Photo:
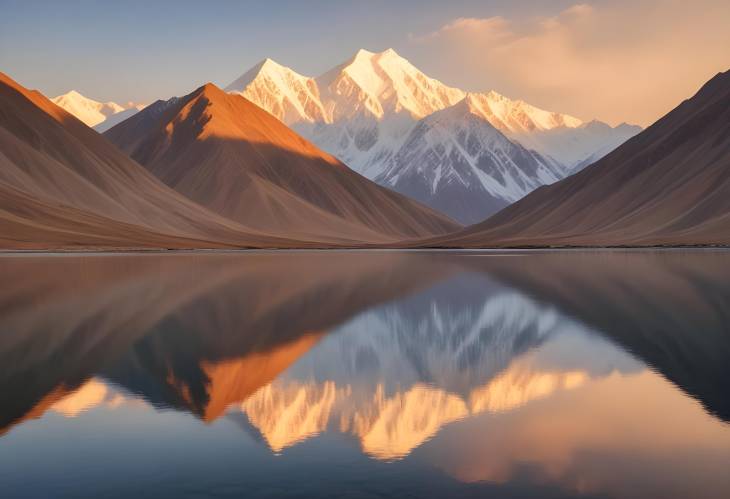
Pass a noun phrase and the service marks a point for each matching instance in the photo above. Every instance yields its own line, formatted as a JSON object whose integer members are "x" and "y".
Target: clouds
{"x": 623, "y": 61}
{"x": 468, "y": 27}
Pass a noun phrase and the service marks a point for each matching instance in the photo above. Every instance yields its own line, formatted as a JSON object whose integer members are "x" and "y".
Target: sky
{"x": 613, "y": 60}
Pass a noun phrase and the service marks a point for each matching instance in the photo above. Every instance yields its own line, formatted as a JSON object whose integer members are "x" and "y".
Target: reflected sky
{"x": 563, "y": 374}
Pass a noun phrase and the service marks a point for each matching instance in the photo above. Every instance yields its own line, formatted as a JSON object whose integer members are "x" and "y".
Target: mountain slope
{"x": 668, "y": 185}
{"x": 30, "y": 223}
{"x": 116, "y": 118}
{"x": 62, "y": 184}
{"x": 99, "y": 115}
{"x": 457, "y": 162}
{"x": 229, "y": 155}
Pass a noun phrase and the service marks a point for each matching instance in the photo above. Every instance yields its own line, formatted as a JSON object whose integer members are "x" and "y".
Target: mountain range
{"x": 376, "y": 113}
{"x": 213, "y": 170}
{"x": 64, "y": 185}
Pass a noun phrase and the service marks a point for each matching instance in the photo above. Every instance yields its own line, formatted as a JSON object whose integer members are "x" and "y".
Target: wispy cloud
{"x": 496, "y": 26}
{"x": 624, "y": 61}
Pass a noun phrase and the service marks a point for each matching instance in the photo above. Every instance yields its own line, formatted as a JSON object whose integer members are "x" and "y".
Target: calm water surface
{"x": 366, "y": 374}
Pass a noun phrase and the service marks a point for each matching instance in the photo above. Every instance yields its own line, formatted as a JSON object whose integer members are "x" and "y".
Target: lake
{"x": 363, "y": 374}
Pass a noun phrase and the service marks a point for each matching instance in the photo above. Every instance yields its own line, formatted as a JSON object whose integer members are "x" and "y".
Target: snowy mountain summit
{"x": 369, "y": 85}
{"x": 99, "y": 115}
{"x": 466, "y": 154}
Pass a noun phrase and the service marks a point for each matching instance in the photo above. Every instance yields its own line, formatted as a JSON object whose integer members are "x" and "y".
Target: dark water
{"x": 354, "y": 374}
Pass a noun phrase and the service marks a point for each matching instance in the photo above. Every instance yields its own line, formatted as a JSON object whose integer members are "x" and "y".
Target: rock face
{"x": 367, "y": 110}
{"x": 227, "y": 154}
{"x": 669, "y": 185}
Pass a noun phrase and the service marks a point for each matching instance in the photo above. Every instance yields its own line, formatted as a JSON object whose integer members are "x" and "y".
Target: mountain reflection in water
{"x": 533, "y": 374}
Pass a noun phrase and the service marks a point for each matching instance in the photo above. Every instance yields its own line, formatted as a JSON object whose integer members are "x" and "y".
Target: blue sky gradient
{"x": 143, "y": 50}
{"x": 615, "y": 60}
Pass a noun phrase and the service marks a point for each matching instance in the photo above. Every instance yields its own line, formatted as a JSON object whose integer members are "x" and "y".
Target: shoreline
{"x": 531, "y": 249}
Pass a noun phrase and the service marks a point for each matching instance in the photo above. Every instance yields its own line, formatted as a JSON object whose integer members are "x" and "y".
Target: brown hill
{"x": 229, "y": 155}
{"x": 27, "y": 222}
{"x": 64, "y": 185}
{"x": 669, "y": 185}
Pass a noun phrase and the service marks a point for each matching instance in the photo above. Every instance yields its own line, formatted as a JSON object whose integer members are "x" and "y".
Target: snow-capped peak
{"x": 363, "y": 53}
{"x": 516, "y": 116}
{"x": 291, "y": 97}
{"x": 377, "y": 85}
{"x": 71, "y": 95}
{"x": 268, "y": 68}
{"x": 88, "y": 110}
{"x": 371, "y": 84}
{"x": 381, "y": 84}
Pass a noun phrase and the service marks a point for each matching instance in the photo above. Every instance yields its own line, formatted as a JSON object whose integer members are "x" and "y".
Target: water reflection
{"x": 395, "y": 375}
{"x": 545, "y": 374}
{"x": 194, "y": 332}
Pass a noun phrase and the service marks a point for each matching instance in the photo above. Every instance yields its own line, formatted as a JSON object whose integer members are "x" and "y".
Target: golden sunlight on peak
{"x": 516, "y": 388}
{"x": 390, "y": 426}
{"x": 290, "y": 414}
